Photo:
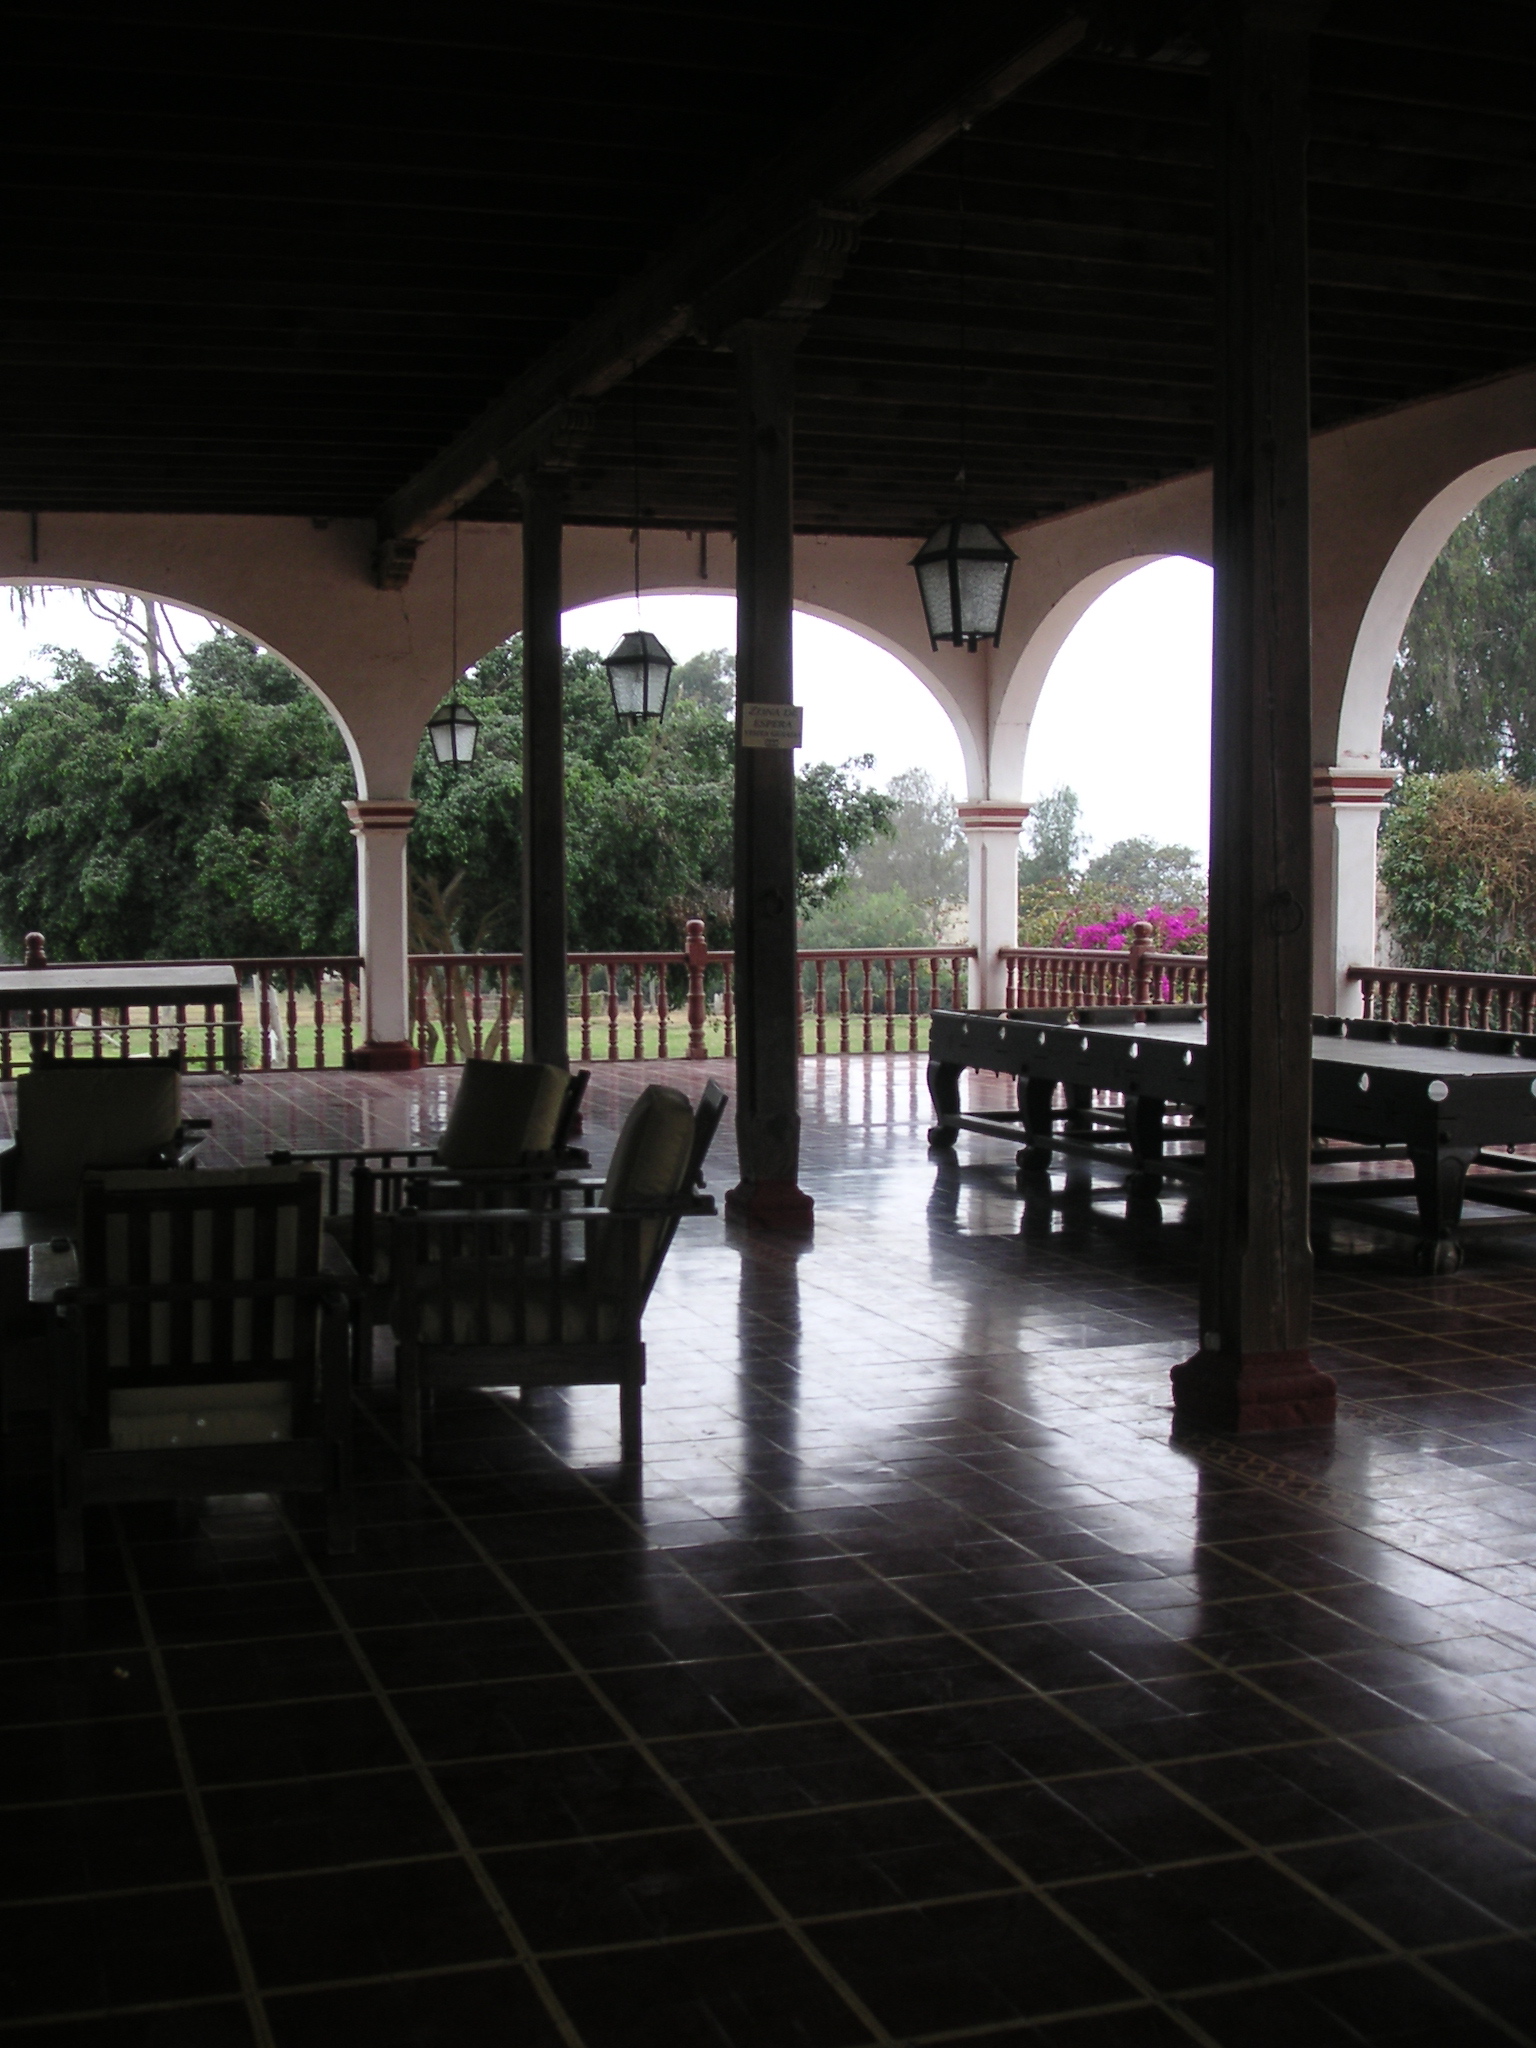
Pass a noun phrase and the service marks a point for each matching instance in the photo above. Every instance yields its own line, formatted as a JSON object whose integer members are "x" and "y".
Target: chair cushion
{"x": 72, "y": 1117}
{"x": 649, "y": 1166}
{"x": 490, "y": 1319}
{"x": 173, "y": 1418}
{"x": 503, "y": 1109}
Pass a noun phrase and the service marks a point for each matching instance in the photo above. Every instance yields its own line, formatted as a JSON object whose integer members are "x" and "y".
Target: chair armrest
{"x": 197, "y": 1123}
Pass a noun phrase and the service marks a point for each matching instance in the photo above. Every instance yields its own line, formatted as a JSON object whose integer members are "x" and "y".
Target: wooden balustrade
{"x": 302, "y": 1012}
{"x": 1449, "y": 997}
{"x": 1073, "y": 977}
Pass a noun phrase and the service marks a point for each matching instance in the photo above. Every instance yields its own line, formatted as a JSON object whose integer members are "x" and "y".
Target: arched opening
{"x": 173, "y": 790}
{"x": 1381, "y": 629}
{"x": 1109, "y": 709}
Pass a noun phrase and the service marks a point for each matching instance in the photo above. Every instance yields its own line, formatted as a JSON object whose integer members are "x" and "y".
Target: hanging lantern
{"x": 454, "y": 733}
{"x": 962, "y": 575}
{"x": 639, "y": 673}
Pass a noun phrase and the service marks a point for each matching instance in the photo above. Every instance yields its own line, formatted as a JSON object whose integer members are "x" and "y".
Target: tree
{"x": 1458, "y": 860}
{"x": 1139, "y": 872}
{"x": 1463, "y": 691}
{"x": 1056, "y": 842}
{"x": 708, "y": 679}
{"x": 174, "y": 813}
{"x": 198, "y": 810}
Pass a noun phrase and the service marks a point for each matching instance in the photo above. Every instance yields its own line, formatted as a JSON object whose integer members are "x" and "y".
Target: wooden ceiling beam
{"x": 838, "y": 175}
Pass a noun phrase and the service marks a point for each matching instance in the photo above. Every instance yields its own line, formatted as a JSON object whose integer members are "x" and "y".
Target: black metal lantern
{"x": 962, "y": 575}
{"x": 453, "y": 732}
{"x": 639, "y": 674}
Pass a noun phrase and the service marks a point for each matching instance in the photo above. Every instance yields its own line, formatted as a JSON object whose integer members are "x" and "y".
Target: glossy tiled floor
{"x": 921, "y": 1691}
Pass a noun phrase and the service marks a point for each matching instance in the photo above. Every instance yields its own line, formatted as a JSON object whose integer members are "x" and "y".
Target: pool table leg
{"x": 1439, "y": 1182}
{"x": 1035, "y": 1099}
{"x": 944, "y": 1094}
{"x": 1144, "y": 1124}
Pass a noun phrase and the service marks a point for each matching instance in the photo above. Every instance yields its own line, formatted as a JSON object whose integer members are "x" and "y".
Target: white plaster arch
{"x": 1026, "y": 680}
{"x": 1374, "y": 655}
{"x": 230, "y": 625}
{"x": 971, "y": 739}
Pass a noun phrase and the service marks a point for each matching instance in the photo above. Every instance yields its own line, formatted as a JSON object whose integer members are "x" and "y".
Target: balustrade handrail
{"x": 1460, "y": 998}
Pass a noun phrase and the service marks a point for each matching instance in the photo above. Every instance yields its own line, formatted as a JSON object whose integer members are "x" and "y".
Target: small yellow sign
{"x": 769, "y": 725}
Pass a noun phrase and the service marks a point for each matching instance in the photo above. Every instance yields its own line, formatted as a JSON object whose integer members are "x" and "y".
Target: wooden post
{"x": 544, "y": 962}
{"x": 767, "y": 963}
{"x": 696, "y": 952}
{"x": 1253, "y": 1369}
{"x": 1143, "y": 945}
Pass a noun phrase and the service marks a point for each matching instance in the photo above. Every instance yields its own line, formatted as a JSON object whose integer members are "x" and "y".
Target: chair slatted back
{"x": 191, "y": 1278}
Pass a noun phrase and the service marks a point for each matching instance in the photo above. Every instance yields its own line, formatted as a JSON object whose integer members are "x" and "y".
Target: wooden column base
{"x": 384, "y": 1056}
{"x": 777, "y": 1204}
{"x": 1263, "y": 1390}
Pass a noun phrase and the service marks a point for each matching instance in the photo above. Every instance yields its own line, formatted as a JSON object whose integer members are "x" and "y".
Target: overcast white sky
{"x": 1124, "y": 718}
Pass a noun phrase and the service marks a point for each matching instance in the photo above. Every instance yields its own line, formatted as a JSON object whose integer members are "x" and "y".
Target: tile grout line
{"x": 515, "y": 1937}
{"x": 630, "y": 1735}
{"x": 1090, "y": 1939}
{"x": 1266, "y": 1855}
{"x": 234, "y": 1933}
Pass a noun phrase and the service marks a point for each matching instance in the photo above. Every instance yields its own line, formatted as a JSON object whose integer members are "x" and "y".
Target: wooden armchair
{"x": 510, "y": 1125}
{"x": 75, "y": 1115}
{"x": 548, "y": 1295}
{"x": 201, "y": 1346}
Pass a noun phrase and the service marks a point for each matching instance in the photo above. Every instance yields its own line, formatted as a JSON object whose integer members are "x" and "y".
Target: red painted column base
{"x": 1261, "y": 1390}
{"x": 777, "y": 1204}
{"x": 384, "y": 1056}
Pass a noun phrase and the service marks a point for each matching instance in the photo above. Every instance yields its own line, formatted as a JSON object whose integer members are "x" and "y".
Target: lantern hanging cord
{"x": 453, "y": 628}
{"x": 634, "y": 450}
{"x": 965, "y": 407}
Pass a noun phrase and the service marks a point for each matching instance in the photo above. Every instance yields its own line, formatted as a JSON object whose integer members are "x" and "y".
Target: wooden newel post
{"x": 36, "y": 955}
{"x": 696, "y": 952}
{"x": 1253, "y": 1369}
{"x": 1143, "y": 945}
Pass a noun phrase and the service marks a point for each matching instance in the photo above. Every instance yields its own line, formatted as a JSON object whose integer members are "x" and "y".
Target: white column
{"x": 992, "y": 835}
{"x": 381, "y": 828}
{"x": 1347, "y": 804}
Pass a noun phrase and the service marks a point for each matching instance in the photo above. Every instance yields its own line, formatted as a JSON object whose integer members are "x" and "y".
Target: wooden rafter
{"x": 755, "y": 248}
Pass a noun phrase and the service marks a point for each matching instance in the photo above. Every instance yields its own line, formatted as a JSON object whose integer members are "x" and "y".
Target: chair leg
{"x": 629, "y": 1421}
{"x": 408, "y": 1380}
{"x": 68, "y": 1516}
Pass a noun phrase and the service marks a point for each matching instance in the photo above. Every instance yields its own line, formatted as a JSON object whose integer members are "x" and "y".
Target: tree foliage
{"x": 1458, "y": 859}
{"x": 1463, "y": 691}
{"x": 181, "y": 814}
{"x": 198, "y": 810}
{"x": 1061, "y": 892}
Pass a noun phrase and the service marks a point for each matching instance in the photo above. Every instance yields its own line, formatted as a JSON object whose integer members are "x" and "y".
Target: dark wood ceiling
{"x": 272, "y": 264}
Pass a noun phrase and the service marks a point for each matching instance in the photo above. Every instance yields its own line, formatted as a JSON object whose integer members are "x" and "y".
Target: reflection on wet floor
{"x": 921, "y": 1688}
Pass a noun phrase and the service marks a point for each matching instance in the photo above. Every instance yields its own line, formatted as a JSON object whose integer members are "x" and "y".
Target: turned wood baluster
{"x": 611, "y": 970}
{"x": 638, "y": 1010}
{"x": 319, "y": 1016}
{"x": 888, "y": 1004}
{"x": 476, "y": 1011}
{"x": 728, "y": 1004}
{"x": 912, "y": 967}
{"x": 821, "y": 1007}
{"x": 662, "y": 1013}
{"x": 423, "y": 1022}
{"x": 346, "y": 1013}
{"x": 867, "y": 1007}
{"x": 843, "y": 1007}
{"x": 584, "y": 1005}
{"x": 449, "y": 1005}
